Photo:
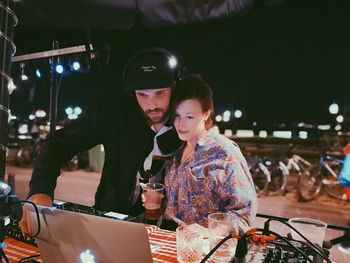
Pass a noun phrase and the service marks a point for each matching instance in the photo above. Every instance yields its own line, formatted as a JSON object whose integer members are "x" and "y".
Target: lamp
{"x": 22, "y": 72}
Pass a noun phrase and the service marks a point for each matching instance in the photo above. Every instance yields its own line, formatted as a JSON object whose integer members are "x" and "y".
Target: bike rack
{"x": 7, "y": 48}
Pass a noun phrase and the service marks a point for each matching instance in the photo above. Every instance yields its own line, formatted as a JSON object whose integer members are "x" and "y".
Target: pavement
{"x": 80, "y": 186}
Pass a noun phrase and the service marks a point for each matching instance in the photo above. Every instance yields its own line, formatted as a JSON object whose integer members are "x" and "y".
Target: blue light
{"x": 76, "y": 65}
{"x": 38, "y": 73}
{"x": 59, "y": 69}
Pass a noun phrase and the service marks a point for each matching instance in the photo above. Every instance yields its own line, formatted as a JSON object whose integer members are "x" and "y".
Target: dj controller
{"x": 278, "y": 251}
{"x": 13, "y": 230}
{"x": 274, "y": 251}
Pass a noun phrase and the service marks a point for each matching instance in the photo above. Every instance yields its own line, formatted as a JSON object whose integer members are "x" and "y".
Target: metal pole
{"x": 8, "y": 21}
{"x": 54, "y": 90}
{"x": 53, "y": 53}
{"x": 11, "y": 182}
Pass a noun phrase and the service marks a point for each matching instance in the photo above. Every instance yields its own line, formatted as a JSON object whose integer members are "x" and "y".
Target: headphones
{"x": 156, "y": 51}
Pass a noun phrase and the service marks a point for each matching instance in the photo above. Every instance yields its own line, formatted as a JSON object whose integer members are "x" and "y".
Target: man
{"x": 133, "y": 130}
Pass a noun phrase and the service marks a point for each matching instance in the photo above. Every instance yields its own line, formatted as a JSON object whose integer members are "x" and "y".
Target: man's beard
{"x": 159, "y": 119}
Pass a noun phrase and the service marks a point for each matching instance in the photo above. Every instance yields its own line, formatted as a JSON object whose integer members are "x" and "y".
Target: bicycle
{"x": 260, "y": 174}
{"x": 26, "y": 155}
{"x": 295, "y": 165}
{"x": 279, "y": 173}
{"x": 322, "y": 176}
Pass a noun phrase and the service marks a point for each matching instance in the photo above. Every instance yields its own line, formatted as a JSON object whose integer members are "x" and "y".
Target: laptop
{"x": 69, "y": 237}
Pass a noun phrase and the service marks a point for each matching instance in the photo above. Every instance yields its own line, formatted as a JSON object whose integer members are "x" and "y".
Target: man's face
{"x": 154, "y": 103}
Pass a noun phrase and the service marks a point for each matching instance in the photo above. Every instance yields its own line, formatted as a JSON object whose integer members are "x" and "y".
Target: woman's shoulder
{"x": 213, "y": 144}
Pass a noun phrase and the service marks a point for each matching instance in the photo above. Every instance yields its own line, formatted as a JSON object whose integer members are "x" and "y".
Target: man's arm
{"x": 59, "y": 148}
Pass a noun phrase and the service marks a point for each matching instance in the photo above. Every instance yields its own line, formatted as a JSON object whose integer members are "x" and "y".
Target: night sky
{"x": 281, "y": 64}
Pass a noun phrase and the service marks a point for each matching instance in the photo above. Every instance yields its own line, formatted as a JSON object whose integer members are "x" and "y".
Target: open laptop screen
{"x": 67, "y": 237}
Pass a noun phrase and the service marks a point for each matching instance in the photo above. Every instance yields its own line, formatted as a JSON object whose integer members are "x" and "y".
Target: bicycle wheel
{"x": 334, "y": 189}
{"x": 72, "y": 165}
{"x": 278, "y": 180}
{"x": 310, "y": 183}
{"x": 261, "y": 181}
{"x": 24, "y": 156}
{"x": 292, "y": 180}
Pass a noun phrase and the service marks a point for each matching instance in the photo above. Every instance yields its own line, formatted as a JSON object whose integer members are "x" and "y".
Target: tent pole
{"x": 8, "y": 20}
{"x": 54, "y": 90}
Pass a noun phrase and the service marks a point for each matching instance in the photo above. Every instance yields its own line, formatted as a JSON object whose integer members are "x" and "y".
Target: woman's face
{"x": 190, "y": 120}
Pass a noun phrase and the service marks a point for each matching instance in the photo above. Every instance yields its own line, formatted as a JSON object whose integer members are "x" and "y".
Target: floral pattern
{"x": 215, "y": 178}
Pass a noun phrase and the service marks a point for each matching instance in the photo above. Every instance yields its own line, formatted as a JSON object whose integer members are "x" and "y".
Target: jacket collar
{"x": 168, "y": 142}
{"x": 206, "y": 138}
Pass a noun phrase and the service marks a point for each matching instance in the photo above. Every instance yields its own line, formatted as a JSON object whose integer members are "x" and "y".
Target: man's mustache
{"x": 154, "y": 111}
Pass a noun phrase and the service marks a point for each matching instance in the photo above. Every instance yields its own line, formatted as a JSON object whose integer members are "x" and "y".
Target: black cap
{"x": 152, "y": 68}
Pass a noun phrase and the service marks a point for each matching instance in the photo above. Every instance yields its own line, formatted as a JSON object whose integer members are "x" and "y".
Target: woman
{"x": 209, "y": 173}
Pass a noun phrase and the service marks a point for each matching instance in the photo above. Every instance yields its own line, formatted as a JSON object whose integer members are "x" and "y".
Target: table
{"x": 163, "y": 243}
{"x": 163, "y": 246}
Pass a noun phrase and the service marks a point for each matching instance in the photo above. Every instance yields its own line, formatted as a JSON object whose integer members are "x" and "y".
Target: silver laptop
{"x": 69, "y": 237}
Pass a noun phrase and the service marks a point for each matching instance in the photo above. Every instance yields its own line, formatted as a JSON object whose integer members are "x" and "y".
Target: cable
{"x": 37, "y": 217}
{"x": 3, "y": 255}
{"x": 306, "y": 239}
{"x": 24, "y": 260}
{"x": 243, "y": 237}
{"x": 291, "y": 245}
{"x": 215, "y": 248}
{"x": 312, "y": 245}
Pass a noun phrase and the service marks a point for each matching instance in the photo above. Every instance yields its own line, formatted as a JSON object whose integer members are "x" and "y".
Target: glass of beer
{"x": 153, "y": 193}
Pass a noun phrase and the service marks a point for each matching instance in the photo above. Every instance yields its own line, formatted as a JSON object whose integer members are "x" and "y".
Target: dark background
{"x": 282, "y": 64}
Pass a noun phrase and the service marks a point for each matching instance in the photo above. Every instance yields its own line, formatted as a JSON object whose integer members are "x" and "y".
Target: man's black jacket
{"x": 121, "y": 127}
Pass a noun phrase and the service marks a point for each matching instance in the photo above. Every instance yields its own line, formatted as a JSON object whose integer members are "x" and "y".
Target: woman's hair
{"x": 193, "y": 87}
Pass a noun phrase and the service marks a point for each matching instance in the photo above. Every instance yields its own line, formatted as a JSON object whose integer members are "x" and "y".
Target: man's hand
{"x": 38, "y": 199}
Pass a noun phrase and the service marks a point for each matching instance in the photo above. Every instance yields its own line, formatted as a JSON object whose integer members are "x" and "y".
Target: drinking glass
{"x": 153, "y": 194}
{"x": 221, "y": 225}
{"x": 312, "y": 229}
{"x": 189, "y": 243}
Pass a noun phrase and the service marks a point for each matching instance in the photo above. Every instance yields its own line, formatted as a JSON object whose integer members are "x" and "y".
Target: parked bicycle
{"x": 27, "y": 154}
{"x": 279, "y": 173}
{"x": 295, "y": 165}
{"x": 260, "y": 174}
{"x": 322, "y": 176}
